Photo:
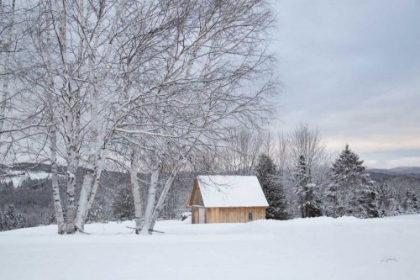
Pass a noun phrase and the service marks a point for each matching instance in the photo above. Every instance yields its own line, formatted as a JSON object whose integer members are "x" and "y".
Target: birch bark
{"x": 134, "y": 168}
{"x": 6, "y": 74}
{"x": 151, "y": 198}
{"x": 95, "y": 158}
{"x": 54, "y": 179}
{"x": 160, "y": 203}
{"x": 58, "y": 209}
{"x": 69, "y": 119}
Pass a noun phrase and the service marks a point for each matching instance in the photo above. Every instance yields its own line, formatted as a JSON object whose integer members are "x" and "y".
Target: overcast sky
{"x": 352, "y": 69}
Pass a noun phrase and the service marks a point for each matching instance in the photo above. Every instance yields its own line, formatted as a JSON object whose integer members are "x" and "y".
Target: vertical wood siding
{"x": 234, "y": 214}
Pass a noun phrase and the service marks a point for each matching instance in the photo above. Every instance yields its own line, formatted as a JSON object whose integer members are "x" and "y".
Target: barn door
{"x": 201, "y": 215}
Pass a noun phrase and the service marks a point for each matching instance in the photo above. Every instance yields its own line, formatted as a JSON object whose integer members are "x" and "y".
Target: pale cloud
{"x": 366, "y": 145}
{"x": 351, "y": 69}
{"x": 410, "y": 161}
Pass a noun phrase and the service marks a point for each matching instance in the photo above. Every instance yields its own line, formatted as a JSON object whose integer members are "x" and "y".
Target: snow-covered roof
{"x": 231, "y": 191}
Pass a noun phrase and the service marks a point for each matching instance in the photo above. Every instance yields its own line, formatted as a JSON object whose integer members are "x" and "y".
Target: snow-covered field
{"x": 319, "y": 248}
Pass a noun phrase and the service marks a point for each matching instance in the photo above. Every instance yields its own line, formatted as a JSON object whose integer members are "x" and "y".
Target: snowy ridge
{"x": 18, "y": 176}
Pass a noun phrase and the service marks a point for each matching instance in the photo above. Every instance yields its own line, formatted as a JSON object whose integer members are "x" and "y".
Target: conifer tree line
{"x": 336, "y": 186}
{"x": 343, "y": 189}
{"x": 11, "y": 219}
{"x": 301, "y": 179}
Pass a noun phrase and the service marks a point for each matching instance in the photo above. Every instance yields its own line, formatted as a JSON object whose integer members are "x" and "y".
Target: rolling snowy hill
{"x": 318, "y": 248}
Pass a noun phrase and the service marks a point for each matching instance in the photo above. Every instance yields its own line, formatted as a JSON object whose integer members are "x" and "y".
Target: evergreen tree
{"x": 51, "y": 220}
{"x": 10, "y": 218}
{"x": 411, "y": 203}
{"x": 351, "y": 192}
{"x": 366, "y": 201}
{"x": 123, "y": 204}
{"x": 305, "y": 191}
{"x": 273, "y": 190}
{"x": 21, "y": 221}
{"x": 96, "y": 213}
{"x": 1, "y": 222}
{"x": 387, "y": 202}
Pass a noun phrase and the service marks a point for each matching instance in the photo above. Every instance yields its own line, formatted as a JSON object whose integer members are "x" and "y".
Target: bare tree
{"x": 290, "y": 149}
{"x": 158, "y": 81}
{"x": 241, "y": 150}
{"x": 306, "y": 142}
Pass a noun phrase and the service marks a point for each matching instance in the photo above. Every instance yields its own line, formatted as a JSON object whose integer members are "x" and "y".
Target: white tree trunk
{"x": 6, "y": 74}
{"x": 134, "y": 169}
{"x": 86, "y": 204}
{"x": 96, "y": 157}
{"x": 83, "y": 199}
{"x": 52, "y": 135}
{"x": 71, "y": 174}
{"x": 91, "y": 167}
{"x": 151, "y": 198}
{"x": 54, "y": 181}
{"x": 69, "y": 119}
{"x": 163, "y": 195}
{"x": 88, "y": 179}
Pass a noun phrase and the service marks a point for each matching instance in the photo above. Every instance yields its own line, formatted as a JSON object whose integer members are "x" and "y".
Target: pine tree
{"x": 273, "y": 190}
{"x": 123, "y": 204}
{"x": 96, "y": 213}
{"x": 21, "y": 221}
{"x": 1, "y": 222}
{"x": 351, "y": 192}
{"x": 366, "y": 202}
{"x": 10, "y": 218}
{"x": 305, "y": 191}
{"x": 51, "y": 220}
{"x": 387, "y": 203}
{"x": 411, "y": 203}
{"x": 416, "y": 204}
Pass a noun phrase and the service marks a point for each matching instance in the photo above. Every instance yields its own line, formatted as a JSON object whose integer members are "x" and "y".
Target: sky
{"x": 351, "y": 68}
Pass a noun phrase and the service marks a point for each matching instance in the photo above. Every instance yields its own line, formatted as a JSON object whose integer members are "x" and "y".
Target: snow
{"x": 17, "y": 177}
{"x": 317, "y": 248}
{"x": 231, "y": 191}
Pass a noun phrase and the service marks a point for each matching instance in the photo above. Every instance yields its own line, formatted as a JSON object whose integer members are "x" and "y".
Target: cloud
{"x": 352, "y": 68}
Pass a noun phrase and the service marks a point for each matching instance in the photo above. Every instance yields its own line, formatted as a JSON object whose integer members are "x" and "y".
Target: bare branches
{"x": 161, "y": 79}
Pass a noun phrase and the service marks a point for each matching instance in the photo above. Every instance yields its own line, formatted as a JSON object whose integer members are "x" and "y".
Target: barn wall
{"x": 194, "y": 215}
{"x": 212, "y": 215}
{"x": 234, "y": 214}
{"x": 197, "y": 199}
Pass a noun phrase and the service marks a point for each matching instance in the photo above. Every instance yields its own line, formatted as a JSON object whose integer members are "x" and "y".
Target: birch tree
{"x": 6, "y": 50}
{"x": 160, "y": 80}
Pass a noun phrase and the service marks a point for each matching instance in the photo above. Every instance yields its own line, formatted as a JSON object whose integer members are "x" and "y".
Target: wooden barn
{"x": 226, "y": 199}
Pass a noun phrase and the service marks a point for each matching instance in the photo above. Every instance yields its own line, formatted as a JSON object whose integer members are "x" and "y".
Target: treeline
{"x": 302, "y": 179}
{"x": 347, "y": 191}
{"x": 298, "y": 176}
{"x": 32, "y": 199}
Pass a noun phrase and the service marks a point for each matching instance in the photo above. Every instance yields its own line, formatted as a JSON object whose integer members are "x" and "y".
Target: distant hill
{"x": 406, "y": 169}
{"x": 401, "y": 171}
